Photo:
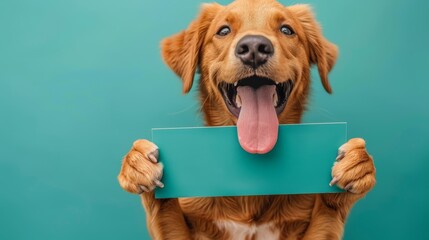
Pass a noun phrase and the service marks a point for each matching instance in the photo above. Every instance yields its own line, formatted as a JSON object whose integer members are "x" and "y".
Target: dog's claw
{"x": 340, "y": 155}
{"x": 153, "y": 156}
{"x": 144, "y": 188}
{"x": 159, "y": 183}
{"x": 349, "y": 187}
{"x": 156, "y": 153}
{"x": 334, "y": 181}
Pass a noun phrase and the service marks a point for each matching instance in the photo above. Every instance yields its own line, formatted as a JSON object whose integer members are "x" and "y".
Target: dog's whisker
{"x": 183, "y": 110}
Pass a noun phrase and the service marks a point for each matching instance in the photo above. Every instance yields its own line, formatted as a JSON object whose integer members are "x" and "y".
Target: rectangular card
{"x": 209, "y": 161}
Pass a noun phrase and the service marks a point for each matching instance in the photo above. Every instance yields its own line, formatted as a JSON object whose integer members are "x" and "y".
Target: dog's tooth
{"x": 238, "y": 101}
{"x": 235, "y": 84}
{"x": 277, "y": 83}
{"x": 275, "y": 99}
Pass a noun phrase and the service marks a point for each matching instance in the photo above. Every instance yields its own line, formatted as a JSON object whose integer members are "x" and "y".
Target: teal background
{"x": 80, "y": 80}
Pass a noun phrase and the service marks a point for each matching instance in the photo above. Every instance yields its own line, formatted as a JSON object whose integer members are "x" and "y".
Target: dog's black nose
{"x": 254, "y": 50}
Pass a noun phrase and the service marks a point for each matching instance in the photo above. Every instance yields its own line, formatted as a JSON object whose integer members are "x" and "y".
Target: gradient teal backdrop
{"x": 81, "y": 79}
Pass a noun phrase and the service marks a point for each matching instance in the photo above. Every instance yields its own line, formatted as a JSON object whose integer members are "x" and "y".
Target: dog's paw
{"x": 353, "y": 169}
{"x": 141, "y": 171}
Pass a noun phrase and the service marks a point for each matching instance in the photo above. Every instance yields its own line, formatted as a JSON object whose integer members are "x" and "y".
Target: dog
{"x": 254, "y": 59}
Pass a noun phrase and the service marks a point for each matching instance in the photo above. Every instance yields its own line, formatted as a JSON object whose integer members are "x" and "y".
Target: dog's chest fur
{"x": 237, "y": 230}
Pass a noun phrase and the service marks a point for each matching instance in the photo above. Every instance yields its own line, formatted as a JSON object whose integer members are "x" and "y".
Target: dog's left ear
{"x": 181, "y": 51}
{"x": 321, "y": 51}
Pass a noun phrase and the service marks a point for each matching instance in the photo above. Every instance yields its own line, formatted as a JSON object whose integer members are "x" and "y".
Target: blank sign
{"x": 209, "y": 161}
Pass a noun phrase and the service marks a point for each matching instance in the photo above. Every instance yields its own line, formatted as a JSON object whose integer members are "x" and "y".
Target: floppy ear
{"x": 321, "y": 51}
{"x": 181, "y": 51}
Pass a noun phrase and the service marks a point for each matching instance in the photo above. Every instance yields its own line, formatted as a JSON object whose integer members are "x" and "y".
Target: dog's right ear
{"x": 181, "y": 51}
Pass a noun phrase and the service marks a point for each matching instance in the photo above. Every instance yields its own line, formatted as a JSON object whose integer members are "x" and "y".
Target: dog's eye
{"x": 223, "y": 31}
{"x": 286, "y": 30}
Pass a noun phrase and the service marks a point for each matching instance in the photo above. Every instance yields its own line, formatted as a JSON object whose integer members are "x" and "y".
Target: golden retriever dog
{"x": 254, "y": 57}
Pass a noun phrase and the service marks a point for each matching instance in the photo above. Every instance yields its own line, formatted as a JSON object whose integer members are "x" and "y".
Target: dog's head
{"x": 254, "y": 57}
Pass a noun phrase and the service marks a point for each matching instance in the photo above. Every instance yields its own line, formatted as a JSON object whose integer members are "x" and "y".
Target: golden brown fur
{"x": 318, "y": 216}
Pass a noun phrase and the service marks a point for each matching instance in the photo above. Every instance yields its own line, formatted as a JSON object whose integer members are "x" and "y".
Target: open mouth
{"x": 256, "y": 102}
{"x": 233, "y": 101}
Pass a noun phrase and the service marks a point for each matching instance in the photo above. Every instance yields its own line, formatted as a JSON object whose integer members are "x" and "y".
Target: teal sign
{"x": 209, "y": 162}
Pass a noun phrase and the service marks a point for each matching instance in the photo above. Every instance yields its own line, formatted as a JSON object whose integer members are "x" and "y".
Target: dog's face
{"x": 254, "y": 57}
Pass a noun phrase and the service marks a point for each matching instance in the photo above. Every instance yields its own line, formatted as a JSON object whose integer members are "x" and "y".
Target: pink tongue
{"x": 257, "y": 124}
